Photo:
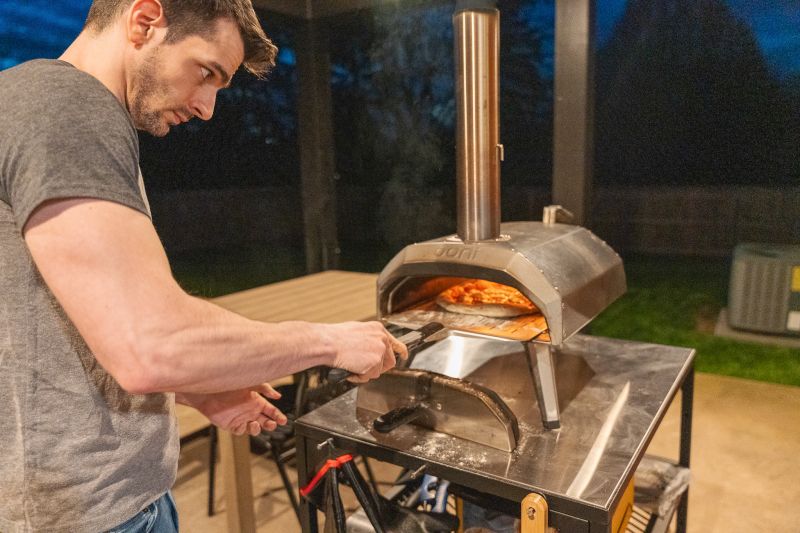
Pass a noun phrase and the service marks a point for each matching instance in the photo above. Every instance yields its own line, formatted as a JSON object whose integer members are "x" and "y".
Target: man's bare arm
{"x": 107, "y": 268}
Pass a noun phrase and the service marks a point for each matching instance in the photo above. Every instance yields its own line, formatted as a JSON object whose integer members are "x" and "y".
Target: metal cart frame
{"x": 564, "y": 513}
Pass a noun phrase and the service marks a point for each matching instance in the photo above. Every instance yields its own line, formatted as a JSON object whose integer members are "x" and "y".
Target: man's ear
{"x": 143, "y": 18}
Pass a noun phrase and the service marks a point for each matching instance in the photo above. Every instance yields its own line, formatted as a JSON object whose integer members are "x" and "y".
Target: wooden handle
{"x": 533, "y": 514}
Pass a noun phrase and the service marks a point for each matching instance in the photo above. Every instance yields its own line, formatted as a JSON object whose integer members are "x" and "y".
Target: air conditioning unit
{"x": 764, "y": 292}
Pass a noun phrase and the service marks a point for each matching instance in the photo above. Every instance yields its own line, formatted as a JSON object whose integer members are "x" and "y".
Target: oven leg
{"x": 542, "y": 366}
{"x": 308, "y": 513}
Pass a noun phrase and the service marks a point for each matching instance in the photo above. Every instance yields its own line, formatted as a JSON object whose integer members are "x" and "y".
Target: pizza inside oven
{"x": 486, "y": 298}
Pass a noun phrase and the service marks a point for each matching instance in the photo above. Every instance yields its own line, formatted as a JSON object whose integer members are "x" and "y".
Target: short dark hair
{"x": 196, "y": 17}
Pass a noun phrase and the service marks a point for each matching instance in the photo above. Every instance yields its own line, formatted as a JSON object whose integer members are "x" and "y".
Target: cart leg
{"x": 687, "y": 397}
{"x": 308, "y": 513}
{"x": 276, "y": 456}
{"x": 540, "y": 358}
{"x": 370, "y": 475}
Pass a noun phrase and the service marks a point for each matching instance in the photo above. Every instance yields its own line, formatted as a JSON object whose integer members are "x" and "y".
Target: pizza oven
{"x": 566, "y": 271}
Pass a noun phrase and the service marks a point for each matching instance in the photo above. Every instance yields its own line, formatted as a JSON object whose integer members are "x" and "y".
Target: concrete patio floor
{"x": 745, "y": 465}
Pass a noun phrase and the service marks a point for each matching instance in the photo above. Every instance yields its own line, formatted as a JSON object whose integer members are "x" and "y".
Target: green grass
{"x": 676, "y": 301}
{"x": 672, "y": 301}
{"x": 210, "y": 273}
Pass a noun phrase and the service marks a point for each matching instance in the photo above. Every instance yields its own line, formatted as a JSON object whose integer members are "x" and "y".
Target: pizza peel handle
{"x": 398, "y": 417}
{"x": 429, "y": 332}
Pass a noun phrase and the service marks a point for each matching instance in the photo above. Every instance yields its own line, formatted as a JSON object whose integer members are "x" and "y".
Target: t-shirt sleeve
{"x": 80, "y": 144}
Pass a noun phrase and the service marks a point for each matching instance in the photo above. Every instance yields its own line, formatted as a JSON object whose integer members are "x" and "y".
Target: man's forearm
{"x": 200, "y": 347}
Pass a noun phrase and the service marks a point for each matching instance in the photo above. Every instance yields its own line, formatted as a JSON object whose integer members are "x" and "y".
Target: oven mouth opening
{"x": 415, "y": 301}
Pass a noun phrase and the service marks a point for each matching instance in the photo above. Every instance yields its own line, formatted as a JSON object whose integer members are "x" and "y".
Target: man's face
{"x": 175, "y": 82}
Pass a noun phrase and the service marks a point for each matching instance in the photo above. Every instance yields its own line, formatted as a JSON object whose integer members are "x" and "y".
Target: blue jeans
{"x": 161, "y": 516}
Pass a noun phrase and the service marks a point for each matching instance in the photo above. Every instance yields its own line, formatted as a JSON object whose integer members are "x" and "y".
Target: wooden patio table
{"x": 330, "y": 296}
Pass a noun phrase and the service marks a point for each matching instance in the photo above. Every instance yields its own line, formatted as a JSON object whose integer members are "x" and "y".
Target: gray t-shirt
{"x": 77, "y": 452}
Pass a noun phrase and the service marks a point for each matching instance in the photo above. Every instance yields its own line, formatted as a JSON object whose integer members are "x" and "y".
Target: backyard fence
{"x": 699, "y": 221}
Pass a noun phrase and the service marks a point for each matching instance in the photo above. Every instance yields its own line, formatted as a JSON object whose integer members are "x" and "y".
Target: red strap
{"x": 330, "y": 463}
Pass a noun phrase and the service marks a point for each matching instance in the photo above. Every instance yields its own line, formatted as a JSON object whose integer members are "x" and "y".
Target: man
{"x": 97, "y": 340}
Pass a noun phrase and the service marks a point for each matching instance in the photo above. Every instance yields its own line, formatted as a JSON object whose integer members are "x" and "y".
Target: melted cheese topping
{"x": 474, "y": 293}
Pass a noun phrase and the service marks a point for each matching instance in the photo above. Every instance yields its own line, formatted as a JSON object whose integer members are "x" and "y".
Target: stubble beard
{"x": 147, "y": 88}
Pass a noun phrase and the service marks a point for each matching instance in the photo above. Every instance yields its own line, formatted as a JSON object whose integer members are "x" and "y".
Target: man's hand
{"x": 365, "y": 349}
{"x": 241, "y": 411}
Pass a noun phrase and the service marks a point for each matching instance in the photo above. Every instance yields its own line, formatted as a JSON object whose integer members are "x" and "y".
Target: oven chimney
{"x": 478, "y": 149}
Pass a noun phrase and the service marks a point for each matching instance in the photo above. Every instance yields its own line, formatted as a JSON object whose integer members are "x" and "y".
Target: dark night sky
{"x": 43, "y": 28}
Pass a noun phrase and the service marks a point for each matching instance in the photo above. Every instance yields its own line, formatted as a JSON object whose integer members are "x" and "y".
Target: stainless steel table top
{"x": 613, "y": 395}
